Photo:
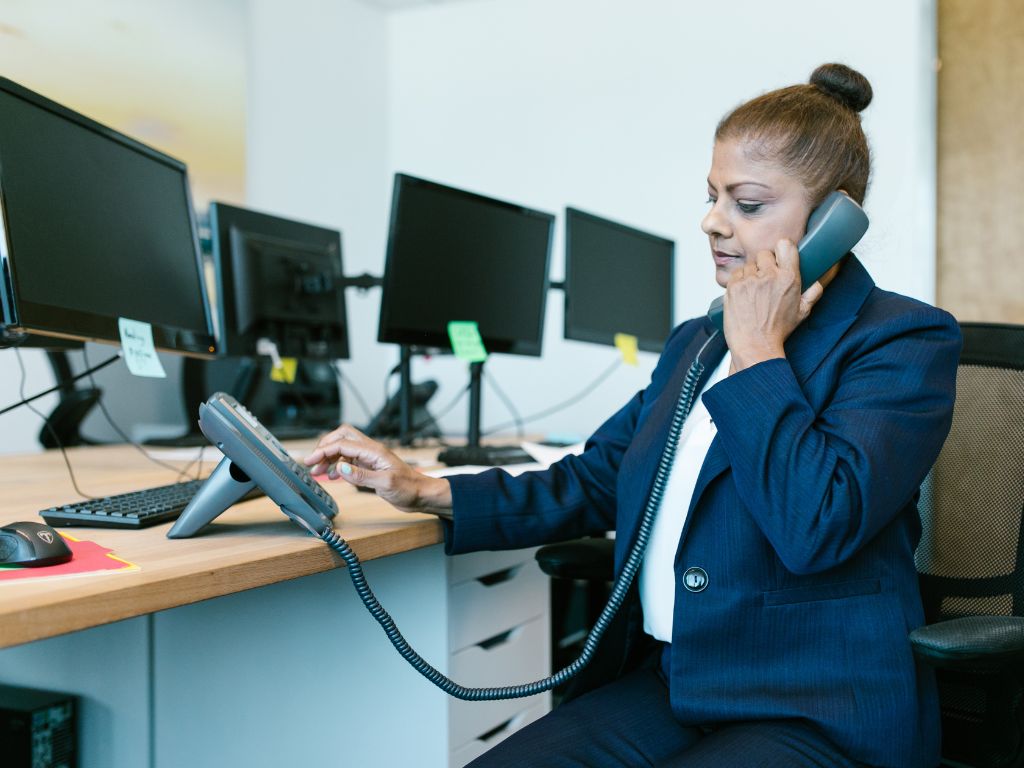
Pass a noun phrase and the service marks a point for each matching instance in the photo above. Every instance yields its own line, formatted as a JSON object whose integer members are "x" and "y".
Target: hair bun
{"x": 843, "y": 83}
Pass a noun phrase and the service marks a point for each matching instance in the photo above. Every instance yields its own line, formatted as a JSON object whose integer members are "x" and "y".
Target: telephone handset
{"x": 833, "y": 228}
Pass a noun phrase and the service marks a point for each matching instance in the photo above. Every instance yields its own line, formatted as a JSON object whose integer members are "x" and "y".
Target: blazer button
{"x": 695, "y": 579}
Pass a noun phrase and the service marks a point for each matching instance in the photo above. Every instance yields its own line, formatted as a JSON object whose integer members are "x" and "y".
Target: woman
{"x": 779, "y": 585}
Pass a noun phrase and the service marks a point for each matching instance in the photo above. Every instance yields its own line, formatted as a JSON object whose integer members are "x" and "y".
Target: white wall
{"x": 610, "y": 105}
{"x": 317, "y": 145}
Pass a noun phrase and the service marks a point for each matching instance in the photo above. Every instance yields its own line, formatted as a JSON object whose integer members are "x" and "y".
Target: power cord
{"x": 345, "y": 381}
{"x": 46, "y": 422}
{"x": 45, "y": 392}
{"x": 516, "y": 418}
{"x": 590, "y": 388}
{"x": 620, "y": 587}
{"x": 181, "y": 472}
{"x": 435, "y": 421}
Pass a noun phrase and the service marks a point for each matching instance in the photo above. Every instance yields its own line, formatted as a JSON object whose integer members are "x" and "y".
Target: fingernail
{"x": 346, "y": 469}
{"x": 332, "y": 473}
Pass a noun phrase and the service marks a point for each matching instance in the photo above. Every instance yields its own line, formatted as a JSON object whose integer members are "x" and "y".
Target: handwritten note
{"x": 139, "y": 352}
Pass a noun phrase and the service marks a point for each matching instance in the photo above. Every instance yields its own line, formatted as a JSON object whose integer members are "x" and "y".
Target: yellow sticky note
{"x": 627, "y": 345}
{"x": 285, "y": 372}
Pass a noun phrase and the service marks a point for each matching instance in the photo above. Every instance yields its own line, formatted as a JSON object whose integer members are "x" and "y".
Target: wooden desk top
{"x": 251, "y": 545}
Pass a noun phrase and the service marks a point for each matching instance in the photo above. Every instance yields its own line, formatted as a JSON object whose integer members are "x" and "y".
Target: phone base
{"x": 225, "y": 486}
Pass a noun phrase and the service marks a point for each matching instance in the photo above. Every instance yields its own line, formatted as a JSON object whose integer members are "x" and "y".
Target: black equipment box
{"x": 37, "y": 728}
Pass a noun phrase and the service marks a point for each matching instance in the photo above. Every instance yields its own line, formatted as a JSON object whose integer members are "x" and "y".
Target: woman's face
{"x": 754, "y": 204}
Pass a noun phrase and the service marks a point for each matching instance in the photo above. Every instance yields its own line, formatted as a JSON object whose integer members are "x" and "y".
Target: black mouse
{"x": 32, "y": 544}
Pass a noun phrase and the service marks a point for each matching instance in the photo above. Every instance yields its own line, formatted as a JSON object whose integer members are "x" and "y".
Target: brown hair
{"x": 814, "y": 130}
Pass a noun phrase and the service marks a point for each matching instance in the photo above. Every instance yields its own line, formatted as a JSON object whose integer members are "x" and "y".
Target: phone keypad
{"x": 300, "y": 472}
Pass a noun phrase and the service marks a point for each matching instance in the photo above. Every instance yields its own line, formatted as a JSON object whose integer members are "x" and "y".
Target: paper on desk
{"x": 210, "y": 454}
{"x": 472, "y": 469}
{"x": 88, "y": 558}
{"x": 549, "y": 454}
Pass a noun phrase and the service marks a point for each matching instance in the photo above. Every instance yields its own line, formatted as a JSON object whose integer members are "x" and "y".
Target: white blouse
{"x": 657, "y": 572}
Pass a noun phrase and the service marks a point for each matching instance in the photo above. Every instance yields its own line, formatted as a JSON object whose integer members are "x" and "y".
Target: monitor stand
{"x": 474, "y": 454}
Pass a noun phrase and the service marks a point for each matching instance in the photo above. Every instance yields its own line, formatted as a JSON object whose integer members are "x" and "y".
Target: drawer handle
{"x": 496, "y": 730}
{"x": 499, "y": 639}
{"x": 498, "y": 577}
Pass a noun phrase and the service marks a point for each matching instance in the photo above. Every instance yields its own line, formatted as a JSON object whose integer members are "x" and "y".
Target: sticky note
{"x": 285, "y": 372}
{"x": 139, "y": 352}
{"x": 466, "y": 342}
{"x": 627, "y": 345}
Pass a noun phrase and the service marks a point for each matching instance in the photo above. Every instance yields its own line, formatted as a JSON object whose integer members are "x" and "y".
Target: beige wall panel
{"x": 981, "y": 159}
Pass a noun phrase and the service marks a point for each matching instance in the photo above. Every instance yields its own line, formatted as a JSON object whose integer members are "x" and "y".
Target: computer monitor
{"x": 455, "y": 255}
{"x": 95, "y": 226}
{"x": 277, "y": 279}
{"x": 617, "y": 280}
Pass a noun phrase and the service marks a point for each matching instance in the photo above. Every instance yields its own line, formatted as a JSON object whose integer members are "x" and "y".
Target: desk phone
{"x": 252, "y": 457}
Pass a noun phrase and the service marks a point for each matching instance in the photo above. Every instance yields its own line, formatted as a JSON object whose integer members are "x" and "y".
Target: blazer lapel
{"x": 805, "y": 349}
{"x": 654, "y": 433}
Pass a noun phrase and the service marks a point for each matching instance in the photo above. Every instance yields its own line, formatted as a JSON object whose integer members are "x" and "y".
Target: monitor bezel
{"x": 22, "y": 317}
{"x": 224, "y": 218}
{"x": 572, "y": 329}
{"x": 420, "y": 340}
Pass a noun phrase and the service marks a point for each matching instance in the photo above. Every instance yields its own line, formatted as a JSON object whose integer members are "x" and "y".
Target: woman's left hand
{"x": 763, "y": 305}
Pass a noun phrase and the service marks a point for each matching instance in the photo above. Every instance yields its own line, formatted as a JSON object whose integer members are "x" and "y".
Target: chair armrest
{"x": 585, "y": 559}
{"x": 996, "y": 641}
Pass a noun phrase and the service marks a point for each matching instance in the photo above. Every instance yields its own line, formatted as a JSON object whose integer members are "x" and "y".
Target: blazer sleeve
{"x": 574, "y": 497}
{"x": 821, "y": 485}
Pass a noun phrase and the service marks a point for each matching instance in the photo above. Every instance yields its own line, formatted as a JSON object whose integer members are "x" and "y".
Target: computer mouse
{"x": 32, "y": 544}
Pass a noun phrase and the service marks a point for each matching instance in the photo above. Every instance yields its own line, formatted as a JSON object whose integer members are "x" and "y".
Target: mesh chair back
{"x": 971, "y": 555}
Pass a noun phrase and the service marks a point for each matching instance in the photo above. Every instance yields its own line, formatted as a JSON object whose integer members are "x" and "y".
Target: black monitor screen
{"x": 95, "y": 226}
{"x": 454, "y": 255}
{"x": 617, "y": 280}
{"x": 280, "y": 280}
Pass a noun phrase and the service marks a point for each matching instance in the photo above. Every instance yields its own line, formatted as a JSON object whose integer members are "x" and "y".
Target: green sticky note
{"x": 139, "y": 351}
{"x": 466, "y": 342}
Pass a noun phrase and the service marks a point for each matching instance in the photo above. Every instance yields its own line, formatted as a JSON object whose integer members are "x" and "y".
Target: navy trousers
{"x": 629, "y": 723}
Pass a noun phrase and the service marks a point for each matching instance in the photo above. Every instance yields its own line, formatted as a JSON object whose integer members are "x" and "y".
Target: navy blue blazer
{"x": 804, "y": 519}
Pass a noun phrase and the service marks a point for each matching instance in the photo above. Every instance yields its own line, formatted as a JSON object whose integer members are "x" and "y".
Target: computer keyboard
{"x": 135, "y": 509}
{"x": 484, "y": 455}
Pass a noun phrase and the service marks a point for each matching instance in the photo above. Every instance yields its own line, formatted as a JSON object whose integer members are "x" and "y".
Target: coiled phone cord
{"x": 618, "y": 594}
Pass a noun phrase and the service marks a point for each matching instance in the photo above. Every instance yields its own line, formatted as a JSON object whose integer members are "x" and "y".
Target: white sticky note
{"x": 139, "y": 352}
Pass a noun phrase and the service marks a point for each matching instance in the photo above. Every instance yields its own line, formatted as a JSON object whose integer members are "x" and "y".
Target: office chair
{"x": 970, "y": 558}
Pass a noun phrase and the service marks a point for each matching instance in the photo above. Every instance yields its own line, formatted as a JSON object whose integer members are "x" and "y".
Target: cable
{"x": 343, "y": 381}
{"x": 620, "y": 588}
{"x": 560, "y": 406}
{"x": 516, "y": 418}
{"x": 82, "y": 375}
{"x": 49, "y": 427}
{"x": 179, "y": 471}
{"x": 435, "y": 420}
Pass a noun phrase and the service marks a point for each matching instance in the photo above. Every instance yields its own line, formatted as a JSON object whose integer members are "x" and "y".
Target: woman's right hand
{"x": 349, "y": 454}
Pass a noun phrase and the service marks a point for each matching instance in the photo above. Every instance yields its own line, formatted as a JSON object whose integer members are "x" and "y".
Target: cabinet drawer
{"x": 475, "y": 748}
{"x": 487, "y": 606}
{"x": 475, "y": 564}
{"x": 521, "y": 655}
